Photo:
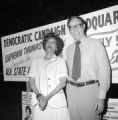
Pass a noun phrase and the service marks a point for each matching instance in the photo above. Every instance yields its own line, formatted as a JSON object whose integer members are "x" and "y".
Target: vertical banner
{"x": 112, "y": 111}
{"x": 27, "y": 109}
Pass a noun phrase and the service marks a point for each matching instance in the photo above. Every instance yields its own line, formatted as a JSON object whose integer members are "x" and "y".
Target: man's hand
{"x": 99, "y": 107}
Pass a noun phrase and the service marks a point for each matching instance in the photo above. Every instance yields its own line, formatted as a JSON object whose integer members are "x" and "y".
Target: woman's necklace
{"x": 48, "y": 57}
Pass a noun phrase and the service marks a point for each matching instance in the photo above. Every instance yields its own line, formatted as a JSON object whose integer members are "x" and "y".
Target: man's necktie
{"x": 76, "y": 69}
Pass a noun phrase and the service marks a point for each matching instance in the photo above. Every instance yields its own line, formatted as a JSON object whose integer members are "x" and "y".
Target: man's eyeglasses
{"x": 75, "y": 26}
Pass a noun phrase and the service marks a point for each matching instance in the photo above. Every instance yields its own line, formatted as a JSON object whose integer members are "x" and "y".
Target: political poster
{"x": 19, "y": 49}
{"x": 27, "y": 108}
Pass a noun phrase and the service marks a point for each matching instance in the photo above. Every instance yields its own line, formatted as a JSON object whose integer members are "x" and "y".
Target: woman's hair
{"x": 59, "y": 42}
{"x": 28, "y": 108}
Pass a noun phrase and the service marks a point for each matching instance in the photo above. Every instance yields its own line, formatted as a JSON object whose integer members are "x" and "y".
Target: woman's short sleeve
{"x": 62, "y": 68}
{"x": 33, "y": 69}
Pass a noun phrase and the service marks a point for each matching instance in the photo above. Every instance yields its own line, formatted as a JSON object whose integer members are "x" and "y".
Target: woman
{"x": 47, "y": 77}
{"x": 28, "y": 113}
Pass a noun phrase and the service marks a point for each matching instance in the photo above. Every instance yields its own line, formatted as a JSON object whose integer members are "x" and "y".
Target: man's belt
{"x": 81, "y": 84}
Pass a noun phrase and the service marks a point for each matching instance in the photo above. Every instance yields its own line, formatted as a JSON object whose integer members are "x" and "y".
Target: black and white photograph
{"x": 59, "y": 60}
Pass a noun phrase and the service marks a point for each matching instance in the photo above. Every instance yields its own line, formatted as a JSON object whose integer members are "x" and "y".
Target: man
{"x": 86, "y": 95}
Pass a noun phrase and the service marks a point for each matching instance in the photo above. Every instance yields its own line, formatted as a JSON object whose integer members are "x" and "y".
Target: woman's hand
{"x": 42, "y": 102}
